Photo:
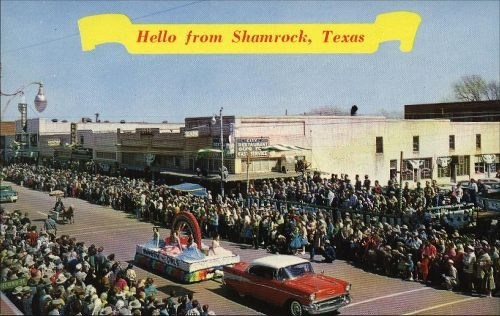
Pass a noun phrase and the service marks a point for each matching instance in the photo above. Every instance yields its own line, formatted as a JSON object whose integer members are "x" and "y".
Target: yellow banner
{"x": 249, "y": 38}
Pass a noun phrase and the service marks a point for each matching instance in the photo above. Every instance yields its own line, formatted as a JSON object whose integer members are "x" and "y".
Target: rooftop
{"x": 278, "y": 261}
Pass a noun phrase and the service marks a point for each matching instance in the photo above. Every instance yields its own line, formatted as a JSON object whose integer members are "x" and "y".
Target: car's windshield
{"x": 5, "y": 188}
{"x": 296, "y": 270}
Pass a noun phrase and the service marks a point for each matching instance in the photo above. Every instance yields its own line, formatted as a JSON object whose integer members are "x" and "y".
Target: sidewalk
{"x": 7, "y": 307}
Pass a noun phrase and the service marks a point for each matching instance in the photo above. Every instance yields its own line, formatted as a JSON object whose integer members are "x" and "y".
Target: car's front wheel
{"x": 295, "y": 308}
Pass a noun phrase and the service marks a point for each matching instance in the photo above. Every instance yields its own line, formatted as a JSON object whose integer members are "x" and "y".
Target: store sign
{"x": 148, "y": 131}
{"x": 73, "y": 133}
{"x": 54, "y": 142}
{"x": 193, "y": 133}
{"x": 252, "y": 146}
{"x": 216, "y": 142}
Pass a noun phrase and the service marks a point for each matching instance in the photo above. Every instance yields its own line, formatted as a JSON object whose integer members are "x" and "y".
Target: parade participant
{"x": 216, "y": 249}
{"x": 155, "y": 242}
{"x": 173, "y": 245}
{"x": 191, "y": 252}
{"x": 296, "y": 240}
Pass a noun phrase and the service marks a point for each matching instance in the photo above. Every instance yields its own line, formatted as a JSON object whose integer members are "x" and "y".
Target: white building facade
{"x": 430, "y": 149}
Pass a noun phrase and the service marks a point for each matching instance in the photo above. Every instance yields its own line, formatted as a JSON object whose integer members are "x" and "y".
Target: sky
{"x": 40, "y": 42}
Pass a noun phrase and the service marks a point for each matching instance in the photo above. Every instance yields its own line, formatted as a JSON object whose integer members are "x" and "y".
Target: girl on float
{"x": 191, "y": 252}
{"x": 216, "y": 249}
{"x": 155, "y": 242}
{"x": 173, "y": 245}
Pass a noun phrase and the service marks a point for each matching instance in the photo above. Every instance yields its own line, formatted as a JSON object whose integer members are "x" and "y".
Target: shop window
{"x": 444, "y": 172}
{"x": 479, "y": 167}
{"x": 426, "y": 169}
{"x": 379, "y": 145}
{"x": 416, "y": 143}
{"x": 463, "y": 165}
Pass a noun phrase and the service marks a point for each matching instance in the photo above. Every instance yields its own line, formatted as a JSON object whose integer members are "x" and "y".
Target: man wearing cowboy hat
{"x": 328, "y": 252}
{"x": 135, "y": 305}
{"x": 469, "y": 261}
{"x": 450, "y": 279}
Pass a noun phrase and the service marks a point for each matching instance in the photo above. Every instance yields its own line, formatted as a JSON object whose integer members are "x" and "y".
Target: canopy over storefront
{"x": 193, "y": 188}
{"x": 282, "y": 147}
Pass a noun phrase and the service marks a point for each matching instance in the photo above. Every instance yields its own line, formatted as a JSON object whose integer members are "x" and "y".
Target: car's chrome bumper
{"x": 328, "y": 305}
{"x": 8, "y": 198}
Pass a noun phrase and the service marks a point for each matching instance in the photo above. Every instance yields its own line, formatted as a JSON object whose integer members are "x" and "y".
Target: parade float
{"x": 182, "y": 256}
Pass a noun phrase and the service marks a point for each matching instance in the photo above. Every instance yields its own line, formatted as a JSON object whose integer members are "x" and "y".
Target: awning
{"x": 193, "y": 188}
{"x": 282, "y": 147}
{"x": 208, "y": 150}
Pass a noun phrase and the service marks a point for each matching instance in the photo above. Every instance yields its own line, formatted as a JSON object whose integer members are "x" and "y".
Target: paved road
{"x": 119, "y": 232}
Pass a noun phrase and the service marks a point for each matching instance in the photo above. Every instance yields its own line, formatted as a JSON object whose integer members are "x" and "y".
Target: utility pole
{"x": 401, "y": 170}
{"x": 248, "y": 162}
{"x": 221, "y": 154}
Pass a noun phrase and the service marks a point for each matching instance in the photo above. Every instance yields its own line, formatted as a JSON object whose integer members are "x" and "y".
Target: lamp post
{"x": 40, "y": 99}
{"x": 249, "y": 155}
{"x": 40, "y": 105}
{"x": 221, "y": 151}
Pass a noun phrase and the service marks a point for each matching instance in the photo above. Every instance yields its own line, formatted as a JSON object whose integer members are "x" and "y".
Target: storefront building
{"x": 410, "y": 150}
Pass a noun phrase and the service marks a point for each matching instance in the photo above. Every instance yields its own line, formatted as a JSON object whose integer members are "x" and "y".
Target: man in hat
{"x": 100, "y": 262}
{"x": 469, "y": 260}
{"x": 135, "y": 305}
{"x": 328, "y": 252}
{"x": 450, "y": 279}
{"x": 50, "y": 225}
{"x": 106, "y": 311}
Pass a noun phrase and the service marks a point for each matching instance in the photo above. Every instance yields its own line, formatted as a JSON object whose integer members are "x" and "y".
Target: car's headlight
{"x": 312, "y": 297}
{"x": 348, "y": 287}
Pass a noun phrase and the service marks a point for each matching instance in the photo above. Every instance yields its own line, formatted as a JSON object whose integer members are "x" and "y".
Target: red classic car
{"x": 288, "y": 281}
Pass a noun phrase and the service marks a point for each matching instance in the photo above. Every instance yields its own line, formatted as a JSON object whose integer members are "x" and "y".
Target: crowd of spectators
{"x": 387, "y": 229}
{"x": 65, "y": 277}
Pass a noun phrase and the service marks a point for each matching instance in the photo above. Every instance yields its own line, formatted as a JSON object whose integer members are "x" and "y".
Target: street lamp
{"x": 40, "y": 99}
{"x": 40, "y": 105}
{"x": 214, "y": 120}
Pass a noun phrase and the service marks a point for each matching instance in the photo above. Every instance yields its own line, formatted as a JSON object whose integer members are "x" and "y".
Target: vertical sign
{"x": 73, "y": 133}
{"x": 22, "y": 107}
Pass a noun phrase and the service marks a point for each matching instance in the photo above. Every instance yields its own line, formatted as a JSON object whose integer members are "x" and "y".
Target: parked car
{"x": 492, "y": 190}
{"x": 488, "y": 182}
{"x": 288, "y": 281}
{"x": 7, "y": 194}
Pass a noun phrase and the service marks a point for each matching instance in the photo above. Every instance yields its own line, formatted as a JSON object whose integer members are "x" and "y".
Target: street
{"x": 119, "y": 232}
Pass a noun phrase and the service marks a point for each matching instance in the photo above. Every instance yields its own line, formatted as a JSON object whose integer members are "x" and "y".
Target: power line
{"x": 77, "y": 34}
{"x": 168, "y": 10}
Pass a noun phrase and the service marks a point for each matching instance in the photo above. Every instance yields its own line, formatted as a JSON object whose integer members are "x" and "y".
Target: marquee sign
{"x": 53, "y": 142}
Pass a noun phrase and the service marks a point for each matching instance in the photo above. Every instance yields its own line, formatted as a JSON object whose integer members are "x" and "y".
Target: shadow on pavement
{"x": 250, "y": 302}
{"x": 179, "y": 290}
